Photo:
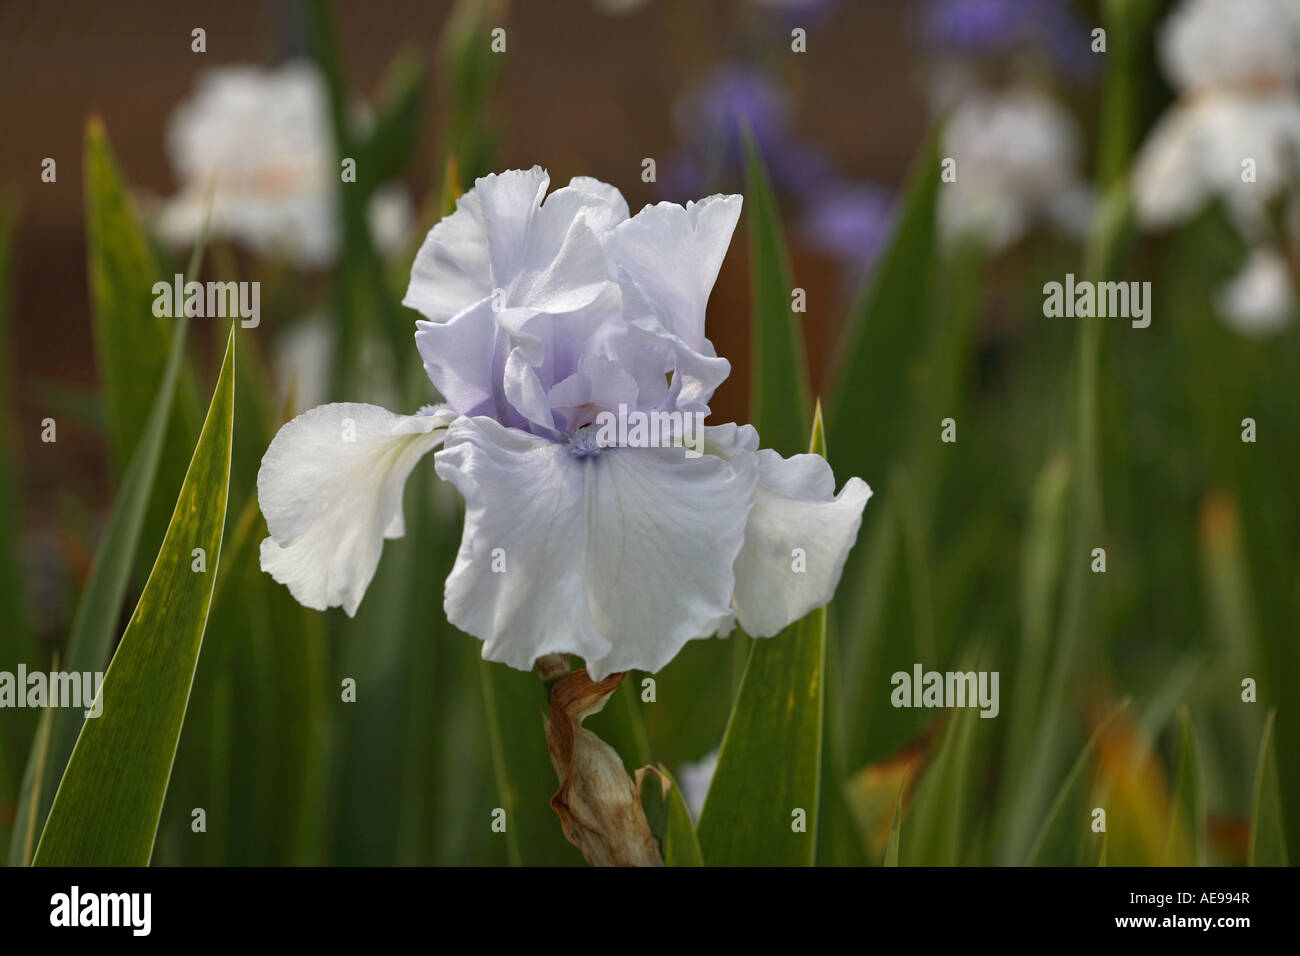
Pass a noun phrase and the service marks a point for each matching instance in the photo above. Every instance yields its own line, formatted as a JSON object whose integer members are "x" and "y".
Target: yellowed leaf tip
{"x": 817, "y": 444}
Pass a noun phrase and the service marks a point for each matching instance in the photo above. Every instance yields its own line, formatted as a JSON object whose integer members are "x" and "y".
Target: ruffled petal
{"x": 562, "y": 269}
{"x": 671, "y": 255}
{"x": 799, "y": 533}
{"x": 464, "y": 359}
{"x": 462, "y": 256}
{"x": 542, "y": 256}
{"x": 330, "y": 488}
{"x": 621, "y": 556}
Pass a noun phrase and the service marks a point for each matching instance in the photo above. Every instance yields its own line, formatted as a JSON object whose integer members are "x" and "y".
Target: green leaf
{"x": 131, "y": 343}
{"x": 1126, "y": 23}
{"x": 108, "y": 804}
{"x": 29, "y": 795}
{"x": 1267, "y": 834}
{"x": 1041, "y": 562}
{"x": 1189, "y": 799}
{"x": 95, "y": 625}
{"x": 361, "y": 294}
{"x": 891, "y": 849}
{"x": 681, "y": 846}
{"x": 515, "y": 703}
{"x": 15, "y": 638}
{"x": 779, "y": 405}
{"x": 386, "y": 151}
{"x": 469, "y": 71}
{"x": 886, "y": 333}
{"x": 769, "y": 766}
{"x": 839, "y": 841}
{"x": 937, "y": 820}
{"x": 1078, "y": 606}
{"x": 1056, "y": 830}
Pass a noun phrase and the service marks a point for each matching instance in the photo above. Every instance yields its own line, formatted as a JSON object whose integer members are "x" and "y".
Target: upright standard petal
{"x": 671, "y": 256}
{"x": 621, "y": 556}
{"x": 330, "y": 487}
{"x": 503, "y": 240}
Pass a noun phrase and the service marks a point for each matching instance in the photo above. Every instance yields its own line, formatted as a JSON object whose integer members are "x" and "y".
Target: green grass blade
{"x": 108, "y": 804}
{"x": 95, "y": 624}
{"x": 26, "y": 824}
{"x": 1267, "y": 834}
{"x": 779, "y": 402}
{"x": 681, "y": 846}
{"x": 886, "y": 333}
{"x": 130, "y": 341}
{"x": 15, "y": 638}
{"x": 1081, "y": 590}
{"x": 1189, "y": 798}
{"x": 938, "y": 818}
{"x": 769, "y": 767}
{"x": 515, "y": 702}
{"x": 1070, "y": 787}
{"x": 387, "y": 150}
{"x": 891, "y": 849}
{"x": 469, "y": 71}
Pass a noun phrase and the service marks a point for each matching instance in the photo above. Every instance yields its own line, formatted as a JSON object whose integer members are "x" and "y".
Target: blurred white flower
{"x": 541, "y": 316}
{"x": 1259, "y": 300}
{"x": 1196, "y": 153}
{"x": 1219, "y": 44}
{"x": 260, "y": 140}
{"x": 1017, "y": 156}
{"x": 1234, "y": 133}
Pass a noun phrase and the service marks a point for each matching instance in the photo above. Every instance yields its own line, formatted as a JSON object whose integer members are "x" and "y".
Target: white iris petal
{"x": 330, "y": 487}
{"x": 621, "y": 556}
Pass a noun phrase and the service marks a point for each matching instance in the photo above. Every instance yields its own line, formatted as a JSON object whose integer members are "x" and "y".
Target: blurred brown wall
{"x": 582, "y": 92}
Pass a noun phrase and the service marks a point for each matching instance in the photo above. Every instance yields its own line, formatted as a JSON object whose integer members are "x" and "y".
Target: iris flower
{"x": 260, "y": 141}
{"x": 1236, "y": 64}
{"x": 540, "y": 314}
{"x": 1017, "y": 155}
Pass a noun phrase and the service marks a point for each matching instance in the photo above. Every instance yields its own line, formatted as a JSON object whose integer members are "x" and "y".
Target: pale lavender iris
{"x": 542, "y": 314}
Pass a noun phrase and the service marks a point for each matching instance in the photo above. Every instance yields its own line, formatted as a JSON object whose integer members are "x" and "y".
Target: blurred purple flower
{"x": 849, "y": 222}
{"x": 992, "y": 28}
{"x": 710, "y": 118}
